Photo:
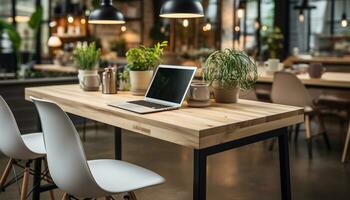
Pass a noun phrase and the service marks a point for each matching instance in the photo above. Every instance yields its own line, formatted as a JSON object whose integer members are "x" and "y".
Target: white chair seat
{"x": 116, "y": 176}
{"x": 35, "y": 142}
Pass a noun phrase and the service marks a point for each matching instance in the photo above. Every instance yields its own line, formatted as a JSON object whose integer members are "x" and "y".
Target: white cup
{"x": 273, "y": 64}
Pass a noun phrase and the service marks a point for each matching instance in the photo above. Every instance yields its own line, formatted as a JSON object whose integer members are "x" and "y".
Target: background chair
{"x": 287, "y": 89}
{"x": 69, "y": 168}
{"x": 18, "y": 148}
{"x": 340, "y": 103}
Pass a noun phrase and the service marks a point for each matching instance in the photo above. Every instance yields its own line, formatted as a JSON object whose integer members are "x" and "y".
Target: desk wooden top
{"x": 191, "y": 127}
{"x": 55, "y": 68}
{"x": 328, "y": 79}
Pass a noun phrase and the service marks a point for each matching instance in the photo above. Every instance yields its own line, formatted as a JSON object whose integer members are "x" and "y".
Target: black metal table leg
{"x": 118, "y": 143}
{"x": 284, "y": 165}
{"x": 199, "y": 175}
{"x": 37, "y": 179}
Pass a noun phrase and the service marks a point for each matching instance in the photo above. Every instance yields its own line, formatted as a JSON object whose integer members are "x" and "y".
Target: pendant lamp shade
{"x": 182, "y": 9}
{"x": 106, "y": 14}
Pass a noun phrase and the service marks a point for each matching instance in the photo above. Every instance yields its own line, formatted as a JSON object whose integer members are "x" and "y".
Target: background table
{"x": 328, "y": 79}
{"x": 208, "y": 131}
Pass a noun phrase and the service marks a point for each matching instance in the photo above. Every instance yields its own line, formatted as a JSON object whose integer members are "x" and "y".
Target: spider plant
{"x": 231, "y": 68}
{"x": 229, "y": 71}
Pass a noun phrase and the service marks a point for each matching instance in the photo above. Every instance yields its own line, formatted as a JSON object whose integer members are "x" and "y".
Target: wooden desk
{"x": 208, "y": 131}
{"x": 329, "y": 79}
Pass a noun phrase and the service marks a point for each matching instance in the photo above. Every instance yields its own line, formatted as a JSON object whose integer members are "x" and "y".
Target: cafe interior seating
{"x": 97, "y": 102}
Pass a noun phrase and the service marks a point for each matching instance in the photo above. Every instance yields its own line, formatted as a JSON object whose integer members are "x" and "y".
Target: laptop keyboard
{"x": 149, "y": 104}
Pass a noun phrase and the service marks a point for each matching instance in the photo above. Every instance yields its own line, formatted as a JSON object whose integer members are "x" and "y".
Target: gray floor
{"x": 248, "y": 173}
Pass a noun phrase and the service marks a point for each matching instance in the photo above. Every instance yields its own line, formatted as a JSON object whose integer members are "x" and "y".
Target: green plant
{"x": 11, "y": 31}
{"x": 14, "y": 37}
{"x": 86, "y": 57}
{"x": 145, "y": 58}
{"x": 34, "y": 23}
{"x": 124, "y": 76}
{"x": 273, "y": 42}
{"x": 230, "y": 68}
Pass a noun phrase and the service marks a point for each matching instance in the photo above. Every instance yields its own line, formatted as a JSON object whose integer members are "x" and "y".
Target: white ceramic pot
{"x": 88, "y": 79}
{"x": 140, "y": 81}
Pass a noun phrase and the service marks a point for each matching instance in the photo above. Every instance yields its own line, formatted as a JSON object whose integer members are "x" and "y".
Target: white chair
{"x": 78, "y": 177}
{"x": 287, "y": 89}
{"x": 18, "y": 147}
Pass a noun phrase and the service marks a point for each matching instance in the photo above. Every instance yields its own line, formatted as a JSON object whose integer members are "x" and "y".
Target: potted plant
{"x": 87, "y": 58}
{"x": 273, "y": 45}
{"x": 24, "y": 66}
{"x": 124, "y": 80}
{"x": 141, "y": 63}
{"x": 228, "y": 72}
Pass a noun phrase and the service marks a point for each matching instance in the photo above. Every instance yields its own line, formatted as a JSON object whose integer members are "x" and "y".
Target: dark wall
{"x": 282, "y": 21}
{"x": 8, "y": 62}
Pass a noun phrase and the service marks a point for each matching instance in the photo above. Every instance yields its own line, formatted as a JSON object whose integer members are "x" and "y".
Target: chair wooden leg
{"x": 25, "y": 183}
{"x": 65, "y": 196}
{"x": 6, "y": 173}
{"x": 346, "y": 147}
{"x": 308, "y": 134}
{"x": 322, "y": 130}
{"x": 132, "y": 196}
{"x": 48, "y": 178}
{"x": 52, "y": 195}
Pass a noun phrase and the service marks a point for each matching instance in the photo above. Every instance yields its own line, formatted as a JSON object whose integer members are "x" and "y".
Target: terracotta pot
{"x": 140, "y": 81}
{"x": 225, "y": 94}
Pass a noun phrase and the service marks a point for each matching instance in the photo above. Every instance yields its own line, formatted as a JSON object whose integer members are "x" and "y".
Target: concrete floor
{"x": 248, "y": 173}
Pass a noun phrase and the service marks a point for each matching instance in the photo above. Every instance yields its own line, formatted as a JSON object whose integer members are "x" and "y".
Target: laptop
{"x": 167, "y": 90}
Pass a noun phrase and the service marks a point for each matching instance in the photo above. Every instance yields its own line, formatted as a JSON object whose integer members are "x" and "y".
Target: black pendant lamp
{"x": 182, "y": 9}
{"x": 106, "y": 14}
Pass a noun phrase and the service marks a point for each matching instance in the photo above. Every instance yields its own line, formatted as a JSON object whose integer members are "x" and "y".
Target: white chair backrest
{"x": 11, "y": 142}
{"x": 289, "y": 90}
{"x": 65, "y": 154}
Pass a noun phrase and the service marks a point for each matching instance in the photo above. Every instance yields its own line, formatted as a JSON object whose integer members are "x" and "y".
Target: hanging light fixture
{"x": 106, "y": 14}
{"x": 241, "y": 9}
{"x": 207, "y": 25}
{"x": 54, "y": 42}
{"x": 302, "y": 7}
{"x": 182, "y": 9}
{"x": 123, "y": 28}
{"x": 185, "y": 23}
{"x": 344, "y": 20}
{"x": 301, "y": 16}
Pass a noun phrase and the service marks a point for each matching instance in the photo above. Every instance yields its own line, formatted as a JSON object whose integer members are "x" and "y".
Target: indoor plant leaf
{"x": 35, "y": 19}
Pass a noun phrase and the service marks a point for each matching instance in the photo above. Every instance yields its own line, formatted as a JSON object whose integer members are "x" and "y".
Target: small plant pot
{"x": 89, "y": 80}
{"x": 226, "y": 94}
{"x": 139, "y": 81}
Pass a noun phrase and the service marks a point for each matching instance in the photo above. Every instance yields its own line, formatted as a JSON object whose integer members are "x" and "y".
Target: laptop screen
{"x": 170, "y": 84}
